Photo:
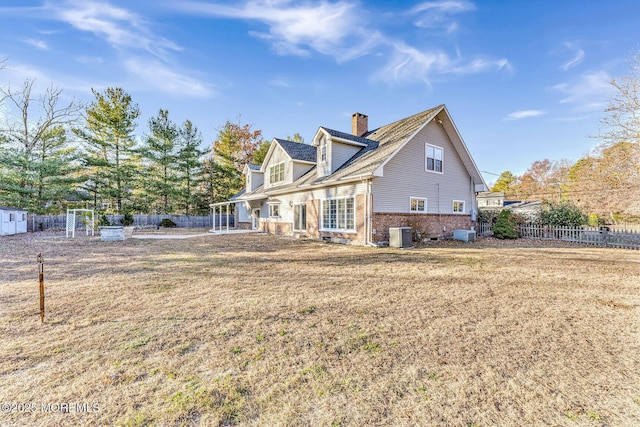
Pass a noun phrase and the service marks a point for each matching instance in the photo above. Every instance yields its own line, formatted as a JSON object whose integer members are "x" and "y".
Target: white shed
{"x": 12, "y": 221}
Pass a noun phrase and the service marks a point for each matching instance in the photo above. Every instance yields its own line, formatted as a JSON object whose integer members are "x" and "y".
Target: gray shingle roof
{"x": 347, "y": 136}
{"x": 253, "y": 167}
{"x": 388, "y": 138}
{"x": 298, "y": 151}
{"x": 380, "y": 143}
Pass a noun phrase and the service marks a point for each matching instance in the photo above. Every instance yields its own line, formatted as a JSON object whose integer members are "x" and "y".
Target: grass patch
{"x": 258, "y": 330}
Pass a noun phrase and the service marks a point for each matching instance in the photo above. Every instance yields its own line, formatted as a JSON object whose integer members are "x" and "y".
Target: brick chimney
{"x": 359, "y": 124}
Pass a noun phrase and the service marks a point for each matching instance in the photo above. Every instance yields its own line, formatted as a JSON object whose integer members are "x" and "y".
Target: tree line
{"x": 604, "y": 184}
{"x": 56, "y": 154}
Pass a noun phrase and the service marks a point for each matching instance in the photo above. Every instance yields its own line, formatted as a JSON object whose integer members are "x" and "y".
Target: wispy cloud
{"x": 589, "y": 91}
{"x": 439, "y": 14}
{"x": 143, "y": 55}
{"x": 292, "y": 28}
{"x": 577, "y": 58}
{"x": 343, "y": 30}
{"x": 409, "y": 64}
{"x": 524, "y": 114}
{"x": 280, "y": 82}
{"x": 157, "y": 75}
{"x": 118, "y": 26}
{"x": 40, "y": 44}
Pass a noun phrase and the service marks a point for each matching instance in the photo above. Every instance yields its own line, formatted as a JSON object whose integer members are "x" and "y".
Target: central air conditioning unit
{"x": 464, "y": 235}
{"x": 400, "y": 237}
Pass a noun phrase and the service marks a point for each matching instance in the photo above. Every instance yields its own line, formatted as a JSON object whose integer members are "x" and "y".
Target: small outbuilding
{"x": 12, "y": 221}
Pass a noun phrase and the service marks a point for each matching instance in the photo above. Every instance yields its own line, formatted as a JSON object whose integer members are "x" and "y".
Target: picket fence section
{"x": 52, "y": 222}
{"x": 586, "y": 235}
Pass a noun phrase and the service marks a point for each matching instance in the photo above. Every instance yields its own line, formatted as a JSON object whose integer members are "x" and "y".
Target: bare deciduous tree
{"x": 622, "y": 122}
{"x": 28, "y": 128}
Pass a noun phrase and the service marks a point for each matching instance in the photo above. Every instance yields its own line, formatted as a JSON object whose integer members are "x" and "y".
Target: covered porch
{"x": 222, "y": 210}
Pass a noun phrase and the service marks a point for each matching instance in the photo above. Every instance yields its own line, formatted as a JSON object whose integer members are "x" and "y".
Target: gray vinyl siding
{"x": 278, "y": 156}
{"x": 257, "y": 179}
{"x": 405, "y": 176}
{"x": 340, "y": 153}
{"x": 300, "y": 169}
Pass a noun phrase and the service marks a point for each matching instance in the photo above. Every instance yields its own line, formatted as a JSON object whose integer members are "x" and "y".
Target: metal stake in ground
{"x": 41, "y": 277}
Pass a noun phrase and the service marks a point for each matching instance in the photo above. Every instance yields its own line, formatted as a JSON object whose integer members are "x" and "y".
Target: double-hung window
{"x": 274, "y": 210}
{"x": 338, "y": 214}
{"x": 417, "y": 204}
{"x": 434, "y": 158}
{"x": 276, "y": 173}
{"x": 458, "y": 206}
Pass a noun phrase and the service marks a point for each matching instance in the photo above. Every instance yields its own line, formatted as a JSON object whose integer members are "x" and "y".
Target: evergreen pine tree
{"x": 505, "y": 227}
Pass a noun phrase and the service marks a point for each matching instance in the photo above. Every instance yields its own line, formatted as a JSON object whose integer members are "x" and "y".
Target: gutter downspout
{"x": 369, "y": 214}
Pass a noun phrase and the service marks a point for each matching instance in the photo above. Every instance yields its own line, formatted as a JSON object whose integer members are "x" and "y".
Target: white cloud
{"x": 446, "y": 6}
{"x": 343, "y": 30}
{"x": 409, "y": 64}
{"x": 280, "y": 82}
{"x": 164, "y": 79}
{"x": 437, "y": 14}
{"x": 40, "y": 44}
{"x": 118, "y": 26}
{"x": 577, "y": 58}
{"x": 589, "y": 91}
{"x": 524, "y": 114}
{"x": 293, "y": 29}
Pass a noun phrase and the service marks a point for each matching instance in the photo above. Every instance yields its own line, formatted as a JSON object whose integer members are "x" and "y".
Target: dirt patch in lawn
{"x": 262, "y": 330}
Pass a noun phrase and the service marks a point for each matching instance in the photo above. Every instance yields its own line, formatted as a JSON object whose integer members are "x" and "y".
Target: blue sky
{"x": 523, "y": 80}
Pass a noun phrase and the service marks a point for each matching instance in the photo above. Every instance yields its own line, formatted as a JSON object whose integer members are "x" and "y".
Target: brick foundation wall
{"x": 243, "y": 225}
{"x": 429, "y": 225}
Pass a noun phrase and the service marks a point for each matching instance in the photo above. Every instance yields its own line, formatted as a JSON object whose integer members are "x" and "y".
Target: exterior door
{"x": 300, "y": 217}
{"x": 255, "y": 219}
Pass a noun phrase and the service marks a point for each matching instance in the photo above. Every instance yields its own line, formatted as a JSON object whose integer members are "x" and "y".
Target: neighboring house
{"x": 12, "y": 221}
{"x": 528, "y": 209}
{"x": 351, "y": 188}
{"x": 490, "y": 200}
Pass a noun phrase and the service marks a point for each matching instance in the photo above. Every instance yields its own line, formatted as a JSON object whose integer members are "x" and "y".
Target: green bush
{"x": 103, "y": 221}
{"x": 166, "y": 222}
{"x": 505, "y": 227}
{"x": 563, "y": 214}
{"x": 127, "y": 219}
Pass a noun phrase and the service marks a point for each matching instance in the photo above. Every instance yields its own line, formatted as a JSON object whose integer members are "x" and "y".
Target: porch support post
{"x": 228, "y": 217}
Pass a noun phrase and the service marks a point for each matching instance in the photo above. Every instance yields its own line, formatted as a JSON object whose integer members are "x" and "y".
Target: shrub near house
{"x": 505, "y": 227}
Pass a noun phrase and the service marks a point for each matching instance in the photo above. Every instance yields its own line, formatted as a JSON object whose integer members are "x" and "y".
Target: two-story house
{"x": 351, "y": 188}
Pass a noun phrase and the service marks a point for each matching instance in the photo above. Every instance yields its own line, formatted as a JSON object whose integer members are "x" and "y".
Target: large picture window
{"x": 338, "y": 214}
{"x": 276, "y": 173}
{"x": 434, "y": 158}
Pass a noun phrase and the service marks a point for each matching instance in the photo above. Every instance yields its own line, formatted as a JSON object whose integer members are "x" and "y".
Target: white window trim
{"x": 338, "y": 230}
{"x": 426, "y": 161}
{"x": 277, "y": 205}
{"x": 284, "y": 173}
{"x": 463, "y": 206}
{"x": 412, "y": 198}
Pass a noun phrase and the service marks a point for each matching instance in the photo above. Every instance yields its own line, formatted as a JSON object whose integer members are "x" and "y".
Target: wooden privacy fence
{"x": 586, "y": 235}
{"x": 48, "y": 222}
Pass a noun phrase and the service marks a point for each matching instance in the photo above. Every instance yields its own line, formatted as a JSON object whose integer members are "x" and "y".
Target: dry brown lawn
{"x": 259, "y": 330}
